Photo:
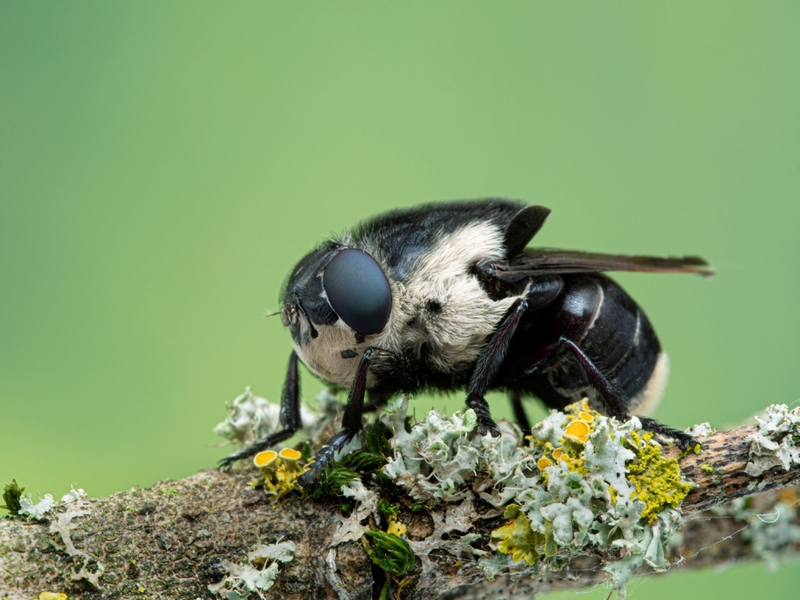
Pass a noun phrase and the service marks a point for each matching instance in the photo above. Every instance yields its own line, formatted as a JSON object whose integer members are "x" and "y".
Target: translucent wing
{"x": 540, "y": 261}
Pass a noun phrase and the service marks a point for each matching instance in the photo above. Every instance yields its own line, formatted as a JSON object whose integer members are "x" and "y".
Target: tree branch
{"x": 176, "y": 539}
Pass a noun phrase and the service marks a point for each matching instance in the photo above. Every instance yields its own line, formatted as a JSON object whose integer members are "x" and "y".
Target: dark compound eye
{"x": 358, "y": 291}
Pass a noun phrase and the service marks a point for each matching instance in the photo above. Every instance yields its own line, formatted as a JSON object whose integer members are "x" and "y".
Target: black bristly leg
{"x": 490, "y": 360}
{"x": 351, "y": 423}
{"x": 614, "y": 401}
{"x": 685, "y": 441}
{"x": 289, "y": 418}
{"x": 290, "y": 399}
{"x": 519, "y": 412}
{"x": 540, "y": 293}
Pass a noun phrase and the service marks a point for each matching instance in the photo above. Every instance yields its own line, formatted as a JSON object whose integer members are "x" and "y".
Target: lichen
{"x": 582, "y": 483}
{"x": 258, "y": 574}
{"x": 77, "y": 505}
{"x": 396, "y": 527}
{"x": 777, "y": 441}
{"x": 701, "y": 430}
{"x": 36, "y": 512}
{"x": 251, "y": 418}
{"x": 772, "y": 536}
{"x": 279, "y": 471}
{"x": 517, "y": 538}
{"x": 19, "y": 505}
{"x": 658, "y": 480}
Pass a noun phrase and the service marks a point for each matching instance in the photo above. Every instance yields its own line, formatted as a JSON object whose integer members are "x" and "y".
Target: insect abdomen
{"x": 596, "y": 314}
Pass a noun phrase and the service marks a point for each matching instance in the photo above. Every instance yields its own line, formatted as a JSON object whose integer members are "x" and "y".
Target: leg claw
{"x": 490, "y": 427}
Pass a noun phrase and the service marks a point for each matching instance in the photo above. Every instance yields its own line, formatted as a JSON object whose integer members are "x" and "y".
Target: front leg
{"x": 289, "y": 418}
{"x": 539, "y": 293}
{"x": 351, "y": 423}
{"x": 489, "y": 361}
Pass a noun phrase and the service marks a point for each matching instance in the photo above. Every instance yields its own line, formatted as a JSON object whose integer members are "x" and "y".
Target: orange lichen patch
{"x": 265, "y": 459}
{"x": 558, "y": 453}
{"x": 290, "y": 454}
{"x": 543, "y": 463}
{"x": 578, "y": 430}
{"x": 290, "y": 458}
{"x": 585, "y": 416}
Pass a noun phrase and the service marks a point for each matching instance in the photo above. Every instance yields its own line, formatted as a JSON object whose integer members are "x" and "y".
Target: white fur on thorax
{"x": 454, "y": 336}
{"x": 456, "y": 333}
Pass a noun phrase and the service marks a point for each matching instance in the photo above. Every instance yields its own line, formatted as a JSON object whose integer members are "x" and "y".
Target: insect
{"x": 447, "y": 297}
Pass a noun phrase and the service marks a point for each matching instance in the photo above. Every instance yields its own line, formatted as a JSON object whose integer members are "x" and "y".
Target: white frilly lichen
{"x": 257, "y": 574}
{"x": 37, "y": 511}
{"x": 582, "y": 483}
{"x": 251, "y": 418}
{"x": 777, "y": 441}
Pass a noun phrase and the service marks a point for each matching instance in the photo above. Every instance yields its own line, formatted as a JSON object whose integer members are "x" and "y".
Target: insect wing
{"x": 538, "y": 261}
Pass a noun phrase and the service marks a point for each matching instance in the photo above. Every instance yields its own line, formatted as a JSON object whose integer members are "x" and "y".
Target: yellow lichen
{"x": 581, "y": 422}
{"x": 657, "y": 479}
{"x": 575, "y": 463}
{"x": 279, "y": 471}
{"x": 581, "y": 410}
{"x": 265, "y": 459}
{"x": 396, "y": 527}
{"x": 52, "y": 596}
{"x": 517, "y": 538}
{"x": 543, "y": 463}
{"x": 612, "y": 493}
{"x": 580, "y": 425}
{"x": 578, "y": 430}
{"x": 290, "y": 455}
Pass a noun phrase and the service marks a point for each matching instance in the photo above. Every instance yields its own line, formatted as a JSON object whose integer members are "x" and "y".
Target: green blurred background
{"x": 163, "y": 165}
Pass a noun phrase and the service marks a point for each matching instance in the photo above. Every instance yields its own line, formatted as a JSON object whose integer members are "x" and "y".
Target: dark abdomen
{"x": 596, "y": 314}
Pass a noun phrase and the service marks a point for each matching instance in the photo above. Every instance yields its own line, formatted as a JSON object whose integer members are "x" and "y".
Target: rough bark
{"x": 175, "y": 539}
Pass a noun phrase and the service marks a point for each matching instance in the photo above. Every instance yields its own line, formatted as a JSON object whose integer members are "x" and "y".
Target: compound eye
{"x": 358, "y": 291}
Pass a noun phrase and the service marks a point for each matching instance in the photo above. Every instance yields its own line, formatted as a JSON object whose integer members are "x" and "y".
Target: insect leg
{"x": 490, "y": 360}
{"x": 289, "y": 417}
{"x": 519, "y": 412}
{"x": 376, "y": 401}
{"x": 351, "y": 422}
{"x": 540, "y": 292}
{"x": 614, "y": 401}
